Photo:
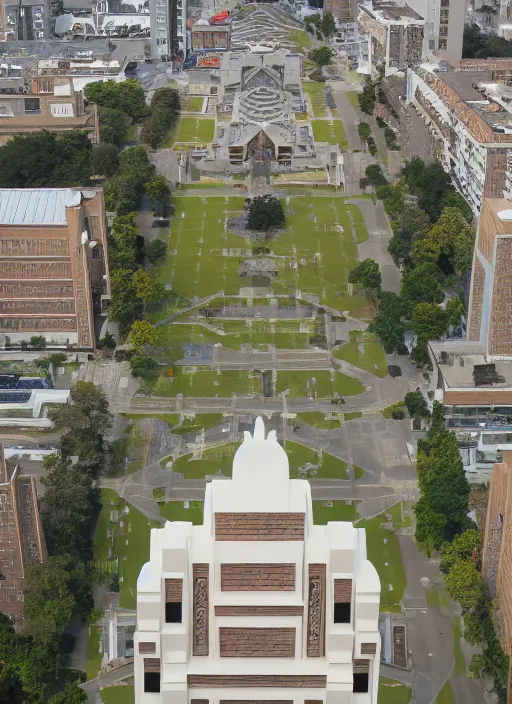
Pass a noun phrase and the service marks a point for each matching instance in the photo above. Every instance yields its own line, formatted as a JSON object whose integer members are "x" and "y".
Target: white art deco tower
{"x": 258, "y": 604}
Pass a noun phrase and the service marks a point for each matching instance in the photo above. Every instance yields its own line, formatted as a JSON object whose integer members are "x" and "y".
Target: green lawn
{"x": 300, "y": 38}
{"x": 384, "y": 552}
{"x": 194, "y": 104}
{"x": 352, "y": 415}
{"x": 93, "y": 653}
{"x": 325, "y": 511}
{"x": 283, "y": 334}
{"x": 120, "y": 694}
{"x": 460, "y": 662}
{"x": 364, "y": 351}
{"x": 299, "y": 456}
{"x": 352, "y": 96}
{"x": 437, "y": 598}
{"x": 316, "y": 251}
{"x": 317, "y": 384}
{"x": 194, "y": 424}
{"x": 316, "y": 92}
{"x": 196, "y": 130}
{"x": 194, "y": 381}
{"x": 445, "y": 696}
{"x": 176, "y": 511}
{"x": 330, "y": 132}
{"x": 393, "y": 692}
{"x": 396, "y": 516}
{"x": 130, "y": 543}
{"x": 358, "y": 223}
{"x": 318, "y": 420}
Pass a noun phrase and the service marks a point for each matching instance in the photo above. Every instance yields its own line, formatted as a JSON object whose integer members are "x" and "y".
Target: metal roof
{"x": 37, "y": 206}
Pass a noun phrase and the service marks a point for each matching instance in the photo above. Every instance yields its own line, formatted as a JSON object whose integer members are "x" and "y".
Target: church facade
{"x": 258, "y": 604}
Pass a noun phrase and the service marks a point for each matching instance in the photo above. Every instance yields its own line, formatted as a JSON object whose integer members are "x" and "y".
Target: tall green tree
{"x": 389, "y": 323}
{"x": 367, "y": 275}
{"x": 127, "y": 96}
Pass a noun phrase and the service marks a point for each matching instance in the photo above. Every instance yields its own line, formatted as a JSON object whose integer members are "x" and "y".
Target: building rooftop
{"x": 392, "y": 11}
{"x": 36, "y": 206}
{"x": 463, "y": 364}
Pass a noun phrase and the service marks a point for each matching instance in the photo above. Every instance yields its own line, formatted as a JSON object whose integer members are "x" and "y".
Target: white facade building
{"x": 257, "y": 604}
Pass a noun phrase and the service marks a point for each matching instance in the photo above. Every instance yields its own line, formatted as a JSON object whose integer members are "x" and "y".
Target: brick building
{"x": 258, "y": 603}
{"x": 21, "y": 536}
{"x": 343, "y": 10}
{"x": 54, "y": 275}
{"x": 497, "y": 546}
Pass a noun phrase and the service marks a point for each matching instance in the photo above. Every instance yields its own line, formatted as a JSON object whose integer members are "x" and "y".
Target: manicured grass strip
{"x": 445, "y": 696}
{"x": 300, "y": 38}
{"x": 194, "y": 381}
{"x": 393, "y": 692}
{"x": 299, "y": 456}
{"x": 93, "y": 652}
{"x": 318, "y": 420}
{"x": 176, "y": 511}
{"x": 326, "y": 511}
{"x": 396, "y": 516}
{"x": 316, "y": 92}
{"x": 364, "y": 351}
{"x": 352, "y": 96}
{"x": 460, "y": 662}
{"x": 437, "y": 598}
{"x": 197, "y": 130}
{"x": 119, "y": 694}
{"x": 384, "y": 553}
{"x": 352, "y": 415}
{"x": 198, "y": 422}
{"x": 194, "y": 104}
{"x": 131, "y": 543}
{"x": 330, "y": 132}
{"x": 317, "y": 384}
{"x": 361, "y": 231}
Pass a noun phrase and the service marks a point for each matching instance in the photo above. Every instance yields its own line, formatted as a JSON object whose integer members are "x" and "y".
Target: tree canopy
{"x": 389, "y": 326}
{"x": 322, "y": 56}
{"x": 127, "y": 96}
{"x": 367, "y": 275}
{"x": 264, "y": 213}
{"x": 448, "y": 243}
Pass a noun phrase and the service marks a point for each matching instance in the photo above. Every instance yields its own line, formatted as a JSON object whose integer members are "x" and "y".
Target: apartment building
{"x": 444, "y": 28}
{"x": 258, "y": 603}
{"x": 21, "y": 536}
{"x": 168, "y": 21}
{"x": 396, "y": 32}
{"x": 54, "y": 275}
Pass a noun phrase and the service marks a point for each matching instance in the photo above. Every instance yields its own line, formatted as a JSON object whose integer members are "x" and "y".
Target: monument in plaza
{"x": 258, "y": 603}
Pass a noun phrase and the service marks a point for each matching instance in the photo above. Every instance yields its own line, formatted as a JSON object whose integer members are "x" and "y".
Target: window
{"x": 342, "y": 612}
{"x": 152, "y": 682}
{"x": 32, "y": 106}
{"x": 172, "y": 612}
{"x": 360, "y": 682}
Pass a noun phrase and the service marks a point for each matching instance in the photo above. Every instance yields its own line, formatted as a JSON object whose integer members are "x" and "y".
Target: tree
{"x": 127, "y": 96}
{"x": 123, "y": 192}
{"x": 85, "y": 421}
{"x": 367, "y": 275}
{"x": 322, "y": 56}
{"x": 49, "y": 600}
{"x": 388, "y": 325}
{"x": 143, "y": 285}
{"x": 455, "y": 309}
{"x": 38, "y": 342}
{"x": 466, "y": 546}
{"x": 155, "y": 251}
{"x": 73, "y": 694}
{"x": 413, "y": 223}
{"x": 68, "y": 507}
{"x": 421, "y": 285}
{"x": 328, "y": 25}
{"x": 441, "y": 477}
{"x": 430, "y": 526}
{"x": 416, "y": 404}
{"x": 374, "y": 173}
{"x": 142, "y": 333}
{"x": 429, "y": 321}
{"x": 477, "y": 44}
{"x": 448, "y": 243}
{"x": 465, "y": 584}
{"x": 265, "y": 212}
{"x": 113, "y": 126}
{"x": 364, "y": 130}
{"x": 143, "y": 366}
{"x": 104, "y": 159}
{"x": 453, "y": 199}
{"x": 159, "y": 193}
